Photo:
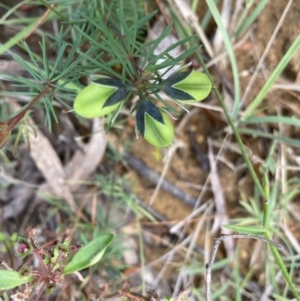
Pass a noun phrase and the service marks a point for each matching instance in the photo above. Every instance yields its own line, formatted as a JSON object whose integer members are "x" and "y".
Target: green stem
{"x": 266, "y": 188}
{"x": 235, "y": 132}
{"x": 228, "y": 45}
{"x": 266, "y": 216}
{"x": 282, "y": 267}
{"x": 266, "y": 225}
{"x": 263, "y": 191}
{"x": 240, "y": 143}
{"x": 142, "y": 255}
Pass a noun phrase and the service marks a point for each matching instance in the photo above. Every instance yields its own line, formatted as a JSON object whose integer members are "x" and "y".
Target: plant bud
{"x": 100, "y": 98}
{"x": 154, "y": 125}
{"x": 188, "y": 86}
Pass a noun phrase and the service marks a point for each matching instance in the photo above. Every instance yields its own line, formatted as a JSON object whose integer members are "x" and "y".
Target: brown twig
{"x": 217, "y": 242}
{"x": 40, "y": 21}
{"x": 162, "y": 10}
{"x": 154, "y": 177}
{"x": 7, "y": 126}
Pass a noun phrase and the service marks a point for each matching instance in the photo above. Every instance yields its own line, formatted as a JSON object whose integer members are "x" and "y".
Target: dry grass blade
{"x": 191, "y": 18}
{"x": 165, "y": 169}
{"x": 266, "y": 51}
{"x": 225, "y": 15}
{"x": 221, "y": 214}
{"x": 81, "y": 166}
{"x": 40, "y": 21}
{"x": 86, "y": 160}
{"x": 290, "y": 236}
{"x": 184, "y": 278}
{"x": 216, "y": 245}
{"x": 49, "y": 164}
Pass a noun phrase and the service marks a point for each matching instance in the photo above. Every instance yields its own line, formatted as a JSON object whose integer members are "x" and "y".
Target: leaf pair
{"x": 105, "y": 96}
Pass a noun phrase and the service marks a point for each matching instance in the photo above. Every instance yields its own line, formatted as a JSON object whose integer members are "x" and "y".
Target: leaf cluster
{"x": 106, "y": 38}
{"x": 54, "y": 262}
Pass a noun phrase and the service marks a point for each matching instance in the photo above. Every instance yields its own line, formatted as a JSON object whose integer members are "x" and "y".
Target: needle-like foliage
{"x": 105, "y": 39}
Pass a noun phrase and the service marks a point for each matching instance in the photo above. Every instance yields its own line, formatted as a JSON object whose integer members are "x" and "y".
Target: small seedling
{"x": 54, "y": 262}
{"x": 109, "y": 95}
{"x": 115, "y": 34}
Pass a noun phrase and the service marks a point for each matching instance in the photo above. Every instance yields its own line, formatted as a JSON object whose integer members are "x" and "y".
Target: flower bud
{"x": 154, "y": 125}
{"x": 188, "y": 86}
{"x": 100, "y": 98}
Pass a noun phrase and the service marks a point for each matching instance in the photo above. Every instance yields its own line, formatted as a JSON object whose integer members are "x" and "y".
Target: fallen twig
{"x": 154, "y": 177}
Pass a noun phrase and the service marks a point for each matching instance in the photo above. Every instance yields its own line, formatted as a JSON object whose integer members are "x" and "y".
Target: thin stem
{"x": 266, "y": 225}
{"x": 37, "y": 98}
{"x": 282, "y": 267}
{"x": 13, "y": 121}
{"x": 235, "y": 132}
{"x": 266, "y": 216}
{"x": 40, "y": 292}
{"x": 216, "y": 245}
{"x": 266, "y": 187}
{"x": 142, "y": 254}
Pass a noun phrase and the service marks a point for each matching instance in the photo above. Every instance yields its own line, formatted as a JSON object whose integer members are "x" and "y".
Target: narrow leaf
{"x": 246, "y": 229}
{"x": 283, "y": 139}
{"x": 89, "y": 255}
{"x": 11, "y": 279}
{"x": 275, "y": 74}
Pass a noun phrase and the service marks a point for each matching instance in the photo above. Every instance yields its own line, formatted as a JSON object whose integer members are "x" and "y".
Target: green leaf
{"x": 246, "y": 229}
{"x": 188, "y": 86}
{"x": 11, "y": 279}
{"x": 158, "y": 134}
{"x": 249, "y": 15}
{"x": 151, "y": 110}
{"x": 257, "y": 133}
{"x": 2, "y": 236}
{"x": 154, "y": 125}
{"x": 89, "y": 255}
{"x": 99, "y": 98}
{"x": 272, "y": 119}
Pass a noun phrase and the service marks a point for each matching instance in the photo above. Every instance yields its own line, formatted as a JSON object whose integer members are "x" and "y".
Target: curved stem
{"x": 282, "y": 267}
{"x": 235, "y": 132}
